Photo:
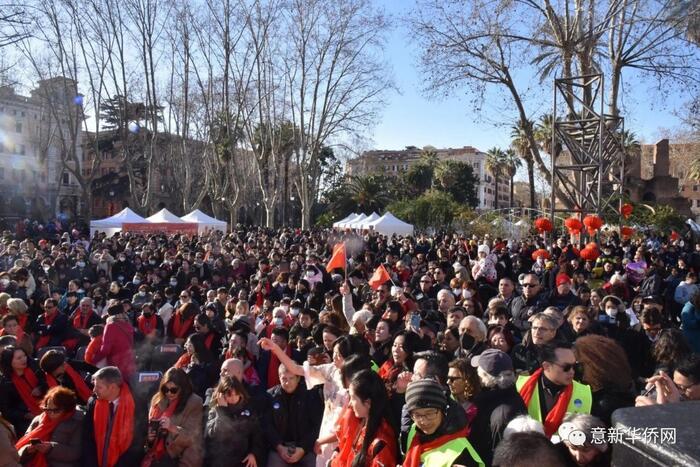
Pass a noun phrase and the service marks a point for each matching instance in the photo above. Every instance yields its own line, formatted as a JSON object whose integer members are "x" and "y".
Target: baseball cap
{"x": 493, "y": 362}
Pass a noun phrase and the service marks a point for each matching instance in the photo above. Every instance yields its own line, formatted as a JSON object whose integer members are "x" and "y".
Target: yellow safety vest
{"x": 580, "y": 402}
{"x": 445, "y": 455}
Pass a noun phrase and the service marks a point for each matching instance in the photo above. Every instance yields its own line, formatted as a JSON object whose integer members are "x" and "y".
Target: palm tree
{"x": 512, "y": 163}
{"x": 630, "y": 142}
{"x": 494, "y": 164}
{"x": 521, "y": 145}
{"x": 368, "y": 193}
{"x": 543, "y": 135}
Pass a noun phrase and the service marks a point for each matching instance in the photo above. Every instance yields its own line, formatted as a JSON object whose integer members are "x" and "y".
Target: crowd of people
{"x": 279, "y": 348}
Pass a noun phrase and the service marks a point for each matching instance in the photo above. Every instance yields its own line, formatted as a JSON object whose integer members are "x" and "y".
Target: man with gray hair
{"x": 111, "y": 437}
{"x": 497, "y": 404}
{"x": 543, "y": 331}
{"x": 472, "y": 333}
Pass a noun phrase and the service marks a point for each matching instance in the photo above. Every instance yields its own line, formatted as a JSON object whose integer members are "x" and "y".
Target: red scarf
{"x": 44, "y": 340}
{"x": 417, "y": 449}
{"x": 23, "y": 319}
{"x": 19, "y": 336}
{"x": 273, "y": 377}
{"x": 80, "y": 322}
{"x": 42, "y": 431}
{"x": 84, "y": 392}
{"x": 122, "y": 430}
{"x": 158, "y": 449}
{"x": 556, "y": 415}
{"x": 25, "y": 385}
{"x": 180, "y": 328}
{"x": 183, "y": 361}
{"x": 148, "y": 325}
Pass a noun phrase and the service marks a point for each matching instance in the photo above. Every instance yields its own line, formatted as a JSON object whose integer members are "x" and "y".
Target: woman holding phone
{"x": 54, "y": 438}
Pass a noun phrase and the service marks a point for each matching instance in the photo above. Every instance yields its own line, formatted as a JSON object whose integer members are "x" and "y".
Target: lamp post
{"x": 291, "y": 210}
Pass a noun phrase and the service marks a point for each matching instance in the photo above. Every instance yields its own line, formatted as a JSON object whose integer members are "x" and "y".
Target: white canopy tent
{"x": 357, "y": 222}
{"x": 204, "y": 222}
{"x": 389, "y": 224}
{"x": 369, "y": 219}
{"x": 165, "y": 216}
{"x": 112, "y": 225}
{"x": 349, "y": 217}
{"x": 349, "y": 224}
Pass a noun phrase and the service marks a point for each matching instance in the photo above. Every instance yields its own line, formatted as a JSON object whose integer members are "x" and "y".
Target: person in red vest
{"x": 149, "y": 325}
{"x": 111, "y": 436}
{"x": 80, "y": 321}
{"x": 11, "y": 327}
{"x": 181, "y": 324}
{"x": 60, "y": 373}
{"x": 21, "y": 388}
{"x": 51, "y": 326}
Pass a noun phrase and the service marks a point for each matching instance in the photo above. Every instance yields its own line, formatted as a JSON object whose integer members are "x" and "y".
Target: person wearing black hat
{"x": 438, "y": 435}
{"x": 497, "y": 403}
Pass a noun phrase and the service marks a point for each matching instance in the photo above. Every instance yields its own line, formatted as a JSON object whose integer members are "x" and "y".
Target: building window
{"x": 696, "y": 187}
{"x": 22, "y": 150}
{"x": 2, "y": 173}
{"x": 22, "y": 175}
{"x": 65, "y": 178}
{"x": 18, "y": 127}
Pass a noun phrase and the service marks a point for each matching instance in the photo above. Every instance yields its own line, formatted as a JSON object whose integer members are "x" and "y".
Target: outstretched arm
{"x": 267, "y": 344}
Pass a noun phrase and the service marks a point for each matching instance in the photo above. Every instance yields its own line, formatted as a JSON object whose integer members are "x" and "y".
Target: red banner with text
{"x": 146, "y": 228}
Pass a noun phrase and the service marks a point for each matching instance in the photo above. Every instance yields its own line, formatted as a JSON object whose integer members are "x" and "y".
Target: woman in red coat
{"x": 118, "y": 342}
{"x": 372, "y": 442}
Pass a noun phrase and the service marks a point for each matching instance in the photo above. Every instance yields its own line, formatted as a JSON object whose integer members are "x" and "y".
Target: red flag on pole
{"x": 379, "y": 277}
{"x": 338, "y": 258}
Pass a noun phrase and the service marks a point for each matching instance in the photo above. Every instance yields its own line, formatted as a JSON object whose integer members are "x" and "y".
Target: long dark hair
{"x": 6, "y": 357}
{"x": 179, "y": 378}
{"x": 200, "y": 353}
{"x": 368, "y": 386}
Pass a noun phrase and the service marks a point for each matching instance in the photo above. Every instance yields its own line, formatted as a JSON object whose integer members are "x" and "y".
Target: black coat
{"x": 231, "y": 434}
{"x": 12, "y": 406}
{"x": 293, "y": 418}
{"x": 495, "y": 408}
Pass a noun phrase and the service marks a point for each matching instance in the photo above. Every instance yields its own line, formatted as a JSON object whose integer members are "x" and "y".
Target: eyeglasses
{"x": 50, "y": 410}
{"x": 684, "y": 389}
{"x": 530, "y": 285}
{"x": 425, "y": 417}
{"x": 566, "y": 367}
{"x": 171, "y": 390}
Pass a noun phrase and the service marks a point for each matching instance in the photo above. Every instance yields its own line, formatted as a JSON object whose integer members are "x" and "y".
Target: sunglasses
{"x": 173, "y": 390}
{"x": 566, "y": 367}
{"x": 530, "y": 285}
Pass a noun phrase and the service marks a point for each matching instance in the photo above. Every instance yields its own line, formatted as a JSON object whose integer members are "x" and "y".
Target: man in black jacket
{"x": 532, "y": 301}
{"x": 293, "y": 420}
{"x": 497, "y": 404}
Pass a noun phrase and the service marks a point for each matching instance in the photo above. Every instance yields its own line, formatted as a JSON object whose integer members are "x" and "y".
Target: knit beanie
{"x": 424, "y": 394}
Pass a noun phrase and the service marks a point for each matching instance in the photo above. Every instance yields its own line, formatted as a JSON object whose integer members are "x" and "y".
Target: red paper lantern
{"x": 590, "y": 254}
{"x": 626, "y": 210}
{"x": 626, "y": 232}
{"x": 541, "y": 252}
{"x": 543, "y": 224}
{"x": 592, "y": 223}
{"x": 574, "y": 225}
{"x": 592, "y": 246}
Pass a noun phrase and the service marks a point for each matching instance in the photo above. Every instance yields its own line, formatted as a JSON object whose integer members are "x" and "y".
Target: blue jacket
{"x": 690, "y": 323}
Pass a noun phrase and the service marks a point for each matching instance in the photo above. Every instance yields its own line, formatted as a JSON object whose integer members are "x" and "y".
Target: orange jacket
{"x": 350, "y": 443}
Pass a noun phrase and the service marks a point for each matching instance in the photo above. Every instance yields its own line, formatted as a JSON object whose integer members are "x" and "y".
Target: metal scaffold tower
{"x": 588, "y": 161}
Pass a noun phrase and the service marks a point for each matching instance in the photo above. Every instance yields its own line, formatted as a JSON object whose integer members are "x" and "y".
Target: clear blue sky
{"x": 410, "y": 118}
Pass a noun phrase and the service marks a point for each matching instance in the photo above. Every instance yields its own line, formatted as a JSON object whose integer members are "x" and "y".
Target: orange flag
{"x": 338, "y": 258}
{"x": 379, "y": 277}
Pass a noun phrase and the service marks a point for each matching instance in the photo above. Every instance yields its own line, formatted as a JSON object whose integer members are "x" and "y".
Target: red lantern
{"x": 541, "y": 252}
{"x": 543, "y": 224}
{"x": 626, "y": 232}
{"x": 592, "y": 223}
{"x": 626, "y": 210}
{"x": 574, "y": 225}
{"x": 590, "y": 254}
{"x": 674, "y": 236}
{"x": 592, "y": 246}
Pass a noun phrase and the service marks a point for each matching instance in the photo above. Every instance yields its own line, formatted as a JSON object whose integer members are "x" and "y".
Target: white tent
{"x": 112, "y": 225}
{"x": 371, "y": 218}
{"x": 345, "y": 223}
{"x": 388, "y": 224}
{"x": 204, "y": 222}
{"x": 349, "y": 217}
{"x": 356, "y": 223}
{"x": 165, "y": 216}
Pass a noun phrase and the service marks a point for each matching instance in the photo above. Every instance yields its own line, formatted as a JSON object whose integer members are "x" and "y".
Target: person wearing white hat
{"x": 485, "y": 267}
